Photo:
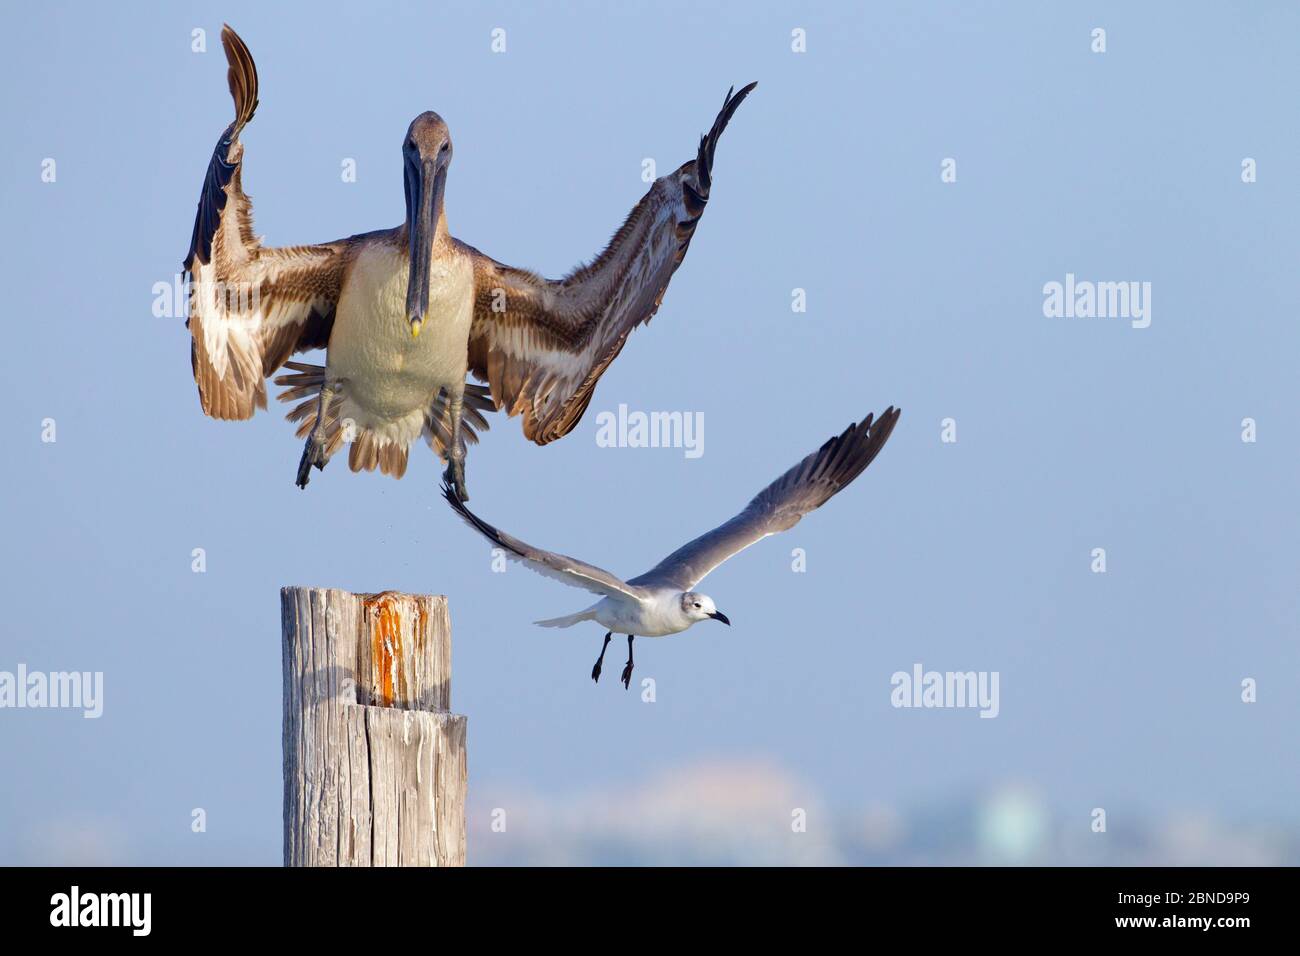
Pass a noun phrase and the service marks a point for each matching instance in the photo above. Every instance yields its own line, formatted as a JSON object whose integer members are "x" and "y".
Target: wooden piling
{"x": 374, "y": 762}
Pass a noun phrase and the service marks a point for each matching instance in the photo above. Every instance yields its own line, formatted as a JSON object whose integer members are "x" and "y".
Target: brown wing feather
{"x": 542, "y": 345}
{"x": 251, "y": 307}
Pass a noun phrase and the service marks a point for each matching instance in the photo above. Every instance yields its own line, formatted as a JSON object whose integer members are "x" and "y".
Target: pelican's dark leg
{"x": 627, "y": 671}
{"x": 455, "y": 473}
{"x": 313, "y": 453}
{"x": 595, "y": 671}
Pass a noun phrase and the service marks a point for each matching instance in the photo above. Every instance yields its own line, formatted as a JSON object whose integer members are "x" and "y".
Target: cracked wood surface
{"x": 374, "y": 762}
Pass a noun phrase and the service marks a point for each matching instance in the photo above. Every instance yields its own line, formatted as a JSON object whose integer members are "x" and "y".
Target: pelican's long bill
{"x": 425, "y": 180}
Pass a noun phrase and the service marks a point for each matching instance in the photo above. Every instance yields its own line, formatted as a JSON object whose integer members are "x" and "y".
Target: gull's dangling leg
{"x": 595, "y": 671}
{"x": 313, "y": 453}
{"x": 627, "y": 671}
{"x": 455, "y": 473}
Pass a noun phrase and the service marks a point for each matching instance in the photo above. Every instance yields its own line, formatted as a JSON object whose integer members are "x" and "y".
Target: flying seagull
{"x": 664, "y": 601}
{"x": 540, "y": 345}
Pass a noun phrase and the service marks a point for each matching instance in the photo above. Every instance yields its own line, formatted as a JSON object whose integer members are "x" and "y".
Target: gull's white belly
{"x": 652, "y": 618}
{"x": 389, "y": 378}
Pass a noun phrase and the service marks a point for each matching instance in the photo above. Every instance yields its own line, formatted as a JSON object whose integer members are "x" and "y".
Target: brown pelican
{"x": 540, "y": 345}
{"x": 664, "y": 601}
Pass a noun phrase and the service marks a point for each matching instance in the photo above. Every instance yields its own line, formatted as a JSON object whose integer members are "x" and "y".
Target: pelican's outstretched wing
{"x": 250, "y": 307}
{"x": 571, "y": 571}
{"x": 779, "y": 506}
{"x": 541, "y": 345}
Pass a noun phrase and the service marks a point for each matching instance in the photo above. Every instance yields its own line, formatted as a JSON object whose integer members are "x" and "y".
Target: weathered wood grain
{"x": 374, "y": 764}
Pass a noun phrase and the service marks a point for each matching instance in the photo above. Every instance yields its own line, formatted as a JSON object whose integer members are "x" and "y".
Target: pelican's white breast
{"x": 389, "y": 376}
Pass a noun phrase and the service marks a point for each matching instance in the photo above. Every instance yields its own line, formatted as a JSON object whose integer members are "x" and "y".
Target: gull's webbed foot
{"x": 595, "y": 671}
{"x": 627, "y": 669}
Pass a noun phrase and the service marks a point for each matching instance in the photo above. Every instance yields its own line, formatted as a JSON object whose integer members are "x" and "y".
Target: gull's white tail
{"x": 568, "y": 620}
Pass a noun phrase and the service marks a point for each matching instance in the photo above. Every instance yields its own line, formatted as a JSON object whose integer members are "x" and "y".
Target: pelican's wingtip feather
{"x": 709, "y": 141}
{"x": 241, "y": 77}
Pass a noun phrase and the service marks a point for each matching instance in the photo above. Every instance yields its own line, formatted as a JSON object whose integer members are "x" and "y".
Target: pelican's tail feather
{"x": 568, "y": 620}
{"x": 371, "y": 450}
{"x": 368, "y": 450}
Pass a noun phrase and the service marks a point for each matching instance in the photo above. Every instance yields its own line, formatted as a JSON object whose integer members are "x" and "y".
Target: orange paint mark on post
{"x": 385, "y": 646}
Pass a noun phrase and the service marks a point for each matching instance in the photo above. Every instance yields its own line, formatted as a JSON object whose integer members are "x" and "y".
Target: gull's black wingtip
{"x": 883, "y": 420}
{"x": 877, "y": 433}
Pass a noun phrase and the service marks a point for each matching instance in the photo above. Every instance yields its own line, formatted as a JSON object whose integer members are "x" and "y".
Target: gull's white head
{"x": 700, "y": 607}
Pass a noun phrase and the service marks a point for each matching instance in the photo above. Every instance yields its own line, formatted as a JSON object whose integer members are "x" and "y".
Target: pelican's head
{"x": 699, "y": 607}
{"x": 426, "y": 154}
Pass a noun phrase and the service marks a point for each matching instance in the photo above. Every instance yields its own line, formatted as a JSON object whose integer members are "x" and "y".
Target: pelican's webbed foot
{"x": 313, "y": 453}
{"x": 455, "y": 473}
{"x": 455, "y": 476}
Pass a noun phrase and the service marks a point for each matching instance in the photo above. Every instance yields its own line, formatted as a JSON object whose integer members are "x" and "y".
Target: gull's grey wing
{"x": 571, "y": 571}
{"x": 779, "y": 506}
{"x": 541, "y": 345}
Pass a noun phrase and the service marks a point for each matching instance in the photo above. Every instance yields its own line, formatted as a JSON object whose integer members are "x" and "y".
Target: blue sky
{"x": 1119, "y": 690}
